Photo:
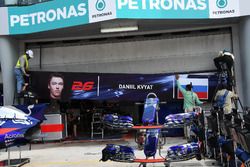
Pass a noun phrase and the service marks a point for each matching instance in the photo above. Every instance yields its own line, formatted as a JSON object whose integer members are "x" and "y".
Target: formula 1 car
{"x": 18, "y": 123}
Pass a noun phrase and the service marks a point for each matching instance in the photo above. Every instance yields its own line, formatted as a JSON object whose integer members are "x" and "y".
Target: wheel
{"x": 198, "y": 157}
{"x": 143, "y": 165}
{"x": 167, "y": 164}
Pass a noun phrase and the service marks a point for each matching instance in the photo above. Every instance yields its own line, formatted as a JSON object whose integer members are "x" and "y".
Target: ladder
{"x": 97, "y": 125}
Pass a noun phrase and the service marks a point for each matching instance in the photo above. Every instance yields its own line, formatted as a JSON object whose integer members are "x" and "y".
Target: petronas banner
{"x": 60, "y": 14}
{"x": 177, "y": 9}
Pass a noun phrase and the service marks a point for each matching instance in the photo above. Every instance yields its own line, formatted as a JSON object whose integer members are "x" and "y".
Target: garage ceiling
{"x": 145, "y": 27}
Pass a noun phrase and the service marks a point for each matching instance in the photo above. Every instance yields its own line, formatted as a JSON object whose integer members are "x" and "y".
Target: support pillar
{"x": 8, "y": 57}
{"x": 245, "y": 57}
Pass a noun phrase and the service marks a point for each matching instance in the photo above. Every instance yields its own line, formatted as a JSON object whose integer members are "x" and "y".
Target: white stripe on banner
{"x": 196, "y": 81}
{"x": 98, "y": 85}
{"x": 174, "y": 87}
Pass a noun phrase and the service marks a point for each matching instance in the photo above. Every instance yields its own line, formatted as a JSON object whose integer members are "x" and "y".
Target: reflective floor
{"x": 87, "y": 153}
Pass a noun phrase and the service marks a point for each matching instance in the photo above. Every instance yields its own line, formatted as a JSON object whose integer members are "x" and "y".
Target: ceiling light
{"x": 119, "y": 29}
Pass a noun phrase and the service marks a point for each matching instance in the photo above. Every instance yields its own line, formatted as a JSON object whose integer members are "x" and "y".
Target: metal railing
{"x": 5, "y": 3}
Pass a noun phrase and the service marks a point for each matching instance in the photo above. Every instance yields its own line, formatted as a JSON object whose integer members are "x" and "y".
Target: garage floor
{"x": 87, "y": 153}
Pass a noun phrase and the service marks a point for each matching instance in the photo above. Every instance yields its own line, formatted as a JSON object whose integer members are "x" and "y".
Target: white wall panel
{"x": 244, "y": 7}
{"x": 190, "y": 53}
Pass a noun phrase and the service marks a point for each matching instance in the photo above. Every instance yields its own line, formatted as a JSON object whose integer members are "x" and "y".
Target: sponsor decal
{"x": 51, "y": 15}
{"x": 47, "y": 16}
{"x": 223, "y": 8}
{"x": 10, "y": 138}
{"x": 162, "y": 9}
{"x": 13, "y": 136}
{"x": 221, "y": 3}
{"x": 100, "y": 5}
{"x": 100, "y": 10}
{"x": 223, "y": 12}
{"x": 101, "y": 14}
{"x": 163, "y": 4}
{"x": 15, "y": 115}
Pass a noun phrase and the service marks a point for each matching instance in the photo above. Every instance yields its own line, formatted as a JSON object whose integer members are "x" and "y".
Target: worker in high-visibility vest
{"x": 21, "y": 70}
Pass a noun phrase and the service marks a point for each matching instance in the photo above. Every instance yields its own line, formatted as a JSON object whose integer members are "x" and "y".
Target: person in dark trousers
{"x": 21, "y": 70}
{"x": 225, "y": 62}
{"x": 190, "y": 101}
{"x": 72, "y": 125}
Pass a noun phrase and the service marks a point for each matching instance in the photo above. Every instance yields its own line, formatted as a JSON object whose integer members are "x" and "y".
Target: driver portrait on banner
{"x": 55, "y": 89}
{"x": 55, "y": 85}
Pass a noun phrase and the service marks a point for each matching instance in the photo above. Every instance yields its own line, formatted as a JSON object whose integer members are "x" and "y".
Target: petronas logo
{"x": 100, "y": 5}
{"x": 221, "y": 3}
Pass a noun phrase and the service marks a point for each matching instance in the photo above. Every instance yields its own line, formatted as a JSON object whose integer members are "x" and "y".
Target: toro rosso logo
{"x": 15, "y": 115}
{"x": 84, "y": 86}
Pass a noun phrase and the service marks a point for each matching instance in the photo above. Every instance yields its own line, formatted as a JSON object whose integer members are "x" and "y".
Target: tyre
{"x": 198, "y": 157}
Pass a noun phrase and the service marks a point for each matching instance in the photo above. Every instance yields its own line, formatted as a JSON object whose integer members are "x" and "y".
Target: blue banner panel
{"x": 115, "y": 87}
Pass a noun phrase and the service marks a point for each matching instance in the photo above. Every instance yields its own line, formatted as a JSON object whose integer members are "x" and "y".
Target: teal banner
{"x": 162, "y": 9}
{"x": 47, "y": 16}
{"x": 66, "y": 13}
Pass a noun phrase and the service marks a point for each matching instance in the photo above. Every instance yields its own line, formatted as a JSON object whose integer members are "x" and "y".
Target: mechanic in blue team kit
{"x": 21, "y": 70}
{"x": 191, "y": 99}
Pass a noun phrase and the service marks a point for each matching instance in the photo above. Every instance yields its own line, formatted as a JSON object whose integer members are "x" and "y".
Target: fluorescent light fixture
{"x": 119, "y": 29}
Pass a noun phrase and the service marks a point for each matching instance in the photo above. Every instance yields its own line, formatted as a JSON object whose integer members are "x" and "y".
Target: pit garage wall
{"x": 192, "y": 51}
{"x": 174, "y": 52}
